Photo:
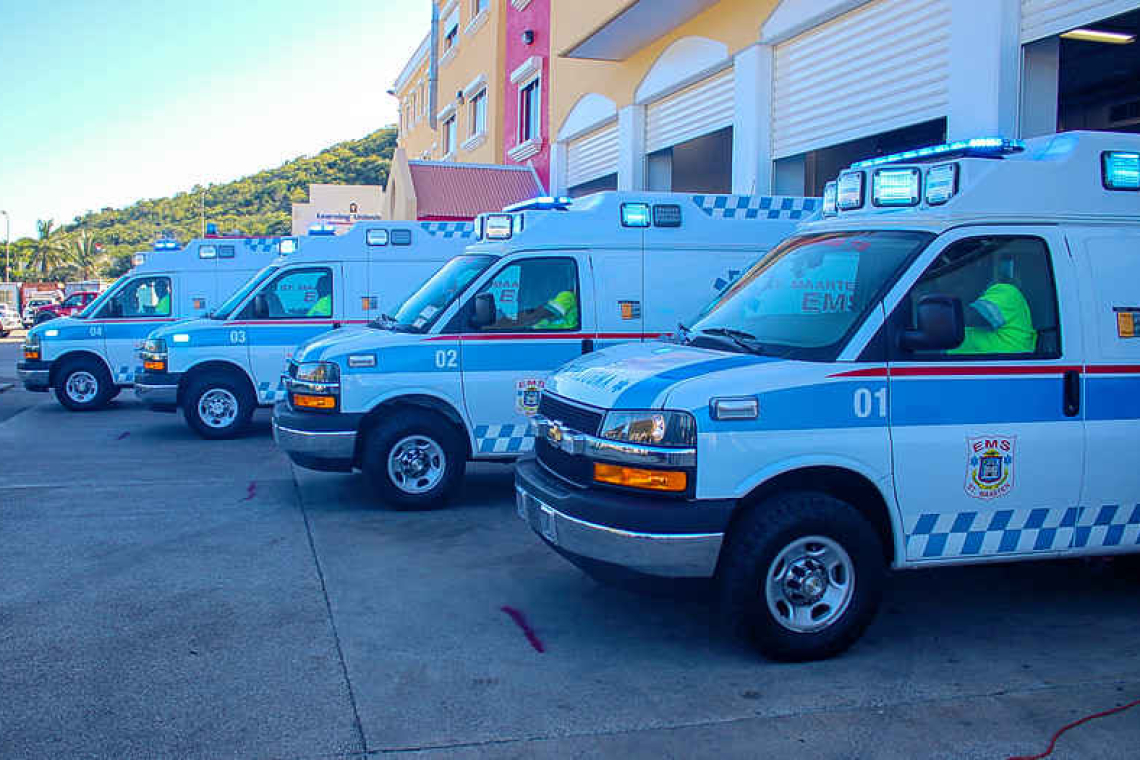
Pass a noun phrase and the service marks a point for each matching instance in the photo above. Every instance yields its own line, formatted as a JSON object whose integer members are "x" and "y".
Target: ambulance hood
{"x": 187, "y": 325}
{"x": 350, "y": 340}
{"x": 641, "y": 375}
{"x": 60, "y": 327}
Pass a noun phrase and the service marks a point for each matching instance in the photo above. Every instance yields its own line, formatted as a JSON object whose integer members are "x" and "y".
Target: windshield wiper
{"x": 743, "y": 340}
{"x": 383, "y": 322}
{"x": 683, "y": 333}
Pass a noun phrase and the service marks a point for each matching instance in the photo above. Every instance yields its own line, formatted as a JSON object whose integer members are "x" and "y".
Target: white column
{"x": 559, "y": 166}
{"x": 631, "y": 148}
{"x": 752, "y": 126}
{"x": 1040, "y": 82}
{"x": 985, "y": 55}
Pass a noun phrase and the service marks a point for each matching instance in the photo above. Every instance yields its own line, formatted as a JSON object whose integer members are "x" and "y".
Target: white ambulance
{"x": 456, "y": 373}
{"x": 219, "y": 369}
{"x": 90, "y": 357}
{"x": 943, "y": 370}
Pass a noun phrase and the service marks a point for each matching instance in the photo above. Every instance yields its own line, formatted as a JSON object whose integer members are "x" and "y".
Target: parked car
{"x": 30, "y": 309}
{"x": 73, "y": 304}
{"x": 9, "y": 320}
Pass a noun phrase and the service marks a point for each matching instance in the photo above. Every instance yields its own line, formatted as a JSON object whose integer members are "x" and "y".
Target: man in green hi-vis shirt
{"x": 999, "y": 321}
{"x": 323, "y": 305}
{"x": 563, "y": 310}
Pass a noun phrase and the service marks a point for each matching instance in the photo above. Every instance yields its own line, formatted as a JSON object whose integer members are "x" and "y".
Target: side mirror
{"x": 484, "y": 313}
{"x": 260, "y": 306}
{"x": 941, "y": 325}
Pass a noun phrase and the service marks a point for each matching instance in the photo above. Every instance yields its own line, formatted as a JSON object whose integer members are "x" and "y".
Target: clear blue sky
{"x": 105, "y": 102}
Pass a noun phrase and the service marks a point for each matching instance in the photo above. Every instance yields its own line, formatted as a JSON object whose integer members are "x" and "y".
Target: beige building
{"x": 338, "y": 206}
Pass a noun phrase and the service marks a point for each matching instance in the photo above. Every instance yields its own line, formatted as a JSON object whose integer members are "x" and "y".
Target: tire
{"x": 218, "y": 405}
{"x": 782, "y": 542}
{"x": 4, "y": 334}
{"x": 414, "y": 460}
{"x": 43, "y": 316}
{"x": 83, "y": 384}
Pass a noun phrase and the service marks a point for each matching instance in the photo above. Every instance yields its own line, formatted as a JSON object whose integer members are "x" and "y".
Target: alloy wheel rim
{"x": 416, "y": 464}
{"x": 810, "y": 583}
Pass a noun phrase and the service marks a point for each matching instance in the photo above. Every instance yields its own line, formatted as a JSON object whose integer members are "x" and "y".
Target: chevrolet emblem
{"x": 554, "y": 433}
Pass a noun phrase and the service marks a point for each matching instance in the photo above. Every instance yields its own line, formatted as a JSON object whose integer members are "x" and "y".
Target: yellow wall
{"x": 736, "y": 23}
{"x": 478, "y": 52}
{"x": 416, "y": 137}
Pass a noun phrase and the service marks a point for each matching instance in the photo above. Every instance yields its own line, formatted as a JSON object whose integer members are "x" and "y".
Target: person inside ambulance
{"x": 552, "y": 284}
{"x": 323, "y": 305}
{"x": 999, "y": 320}
{"x": 162, "y": 296}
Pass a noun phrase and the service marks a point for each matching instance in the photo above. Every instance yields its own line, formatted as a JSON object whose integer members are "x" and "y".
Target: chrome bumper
{"x": 35, "y": 378}
{"x": 340, "y": 444}
{"x": 157, "y": 395}
{"x": 691, "y": 555}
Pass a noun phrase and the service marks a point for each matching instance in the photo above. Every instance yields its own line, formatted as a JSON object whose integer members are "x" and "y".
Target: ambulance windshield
{"x": 231, "y": 303}
{"x": 102, "y": 298}
{"x": 433, "y": 297}
{"x": 803, "y": 298}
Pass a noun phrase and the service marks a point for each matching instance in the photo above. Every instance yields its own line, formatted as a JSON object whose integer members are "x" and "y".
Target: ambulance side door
{"x": 544, "y": 317}
{"x": 144, "y": 304}
{"x": 987, "y": 439}
{"x": 1109, "y": 277}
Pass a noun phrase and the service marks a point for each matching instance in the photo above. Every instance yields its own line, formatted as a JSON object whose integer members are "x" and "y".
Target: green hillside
{"x": 256, "y": 205}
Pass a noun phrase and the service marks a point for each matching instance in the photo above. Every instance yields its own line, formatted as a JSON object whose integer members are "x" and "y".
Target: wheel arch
{"x": 213, "y": 365}
{"x": 417, "y": 399}
{"x": 77, "y": 353}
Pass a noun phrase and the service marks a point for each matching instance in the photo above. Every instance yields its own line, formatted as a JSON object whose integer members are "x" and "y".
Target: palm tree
{"x": 48, "y": 254}
{"x": 85, "y": 255}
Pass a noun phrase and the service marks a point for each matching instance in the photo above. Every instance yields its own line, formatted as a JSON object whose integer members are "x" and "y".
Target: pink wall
{"x": 536, "y": 17}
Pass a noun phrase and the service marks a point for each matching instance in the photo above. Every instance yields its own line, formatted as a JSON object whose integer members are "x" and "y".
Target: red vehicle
{"x": 73, "y": 304}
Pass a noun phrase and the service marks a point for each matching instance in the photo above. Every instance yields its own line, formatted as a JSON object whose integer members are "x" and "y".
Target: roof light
{"x": 287, "y": 246}
{"x": 138, "y": 259}
{"x": 376, "y": 237}
{"x": 941, "y": 183}
{"x": 896, "y": 187}
{"x": 977, "y": 146}
{"x": 542, "y": 203}
{"x": 166, "y": 244}
{"x": 1120, "y": 171}
{"x": 666, "y": 215}
{"x": 497, "y": 226}
{"x": 207, "y": 252}
{"x": 321, "y": 229}
{"x": 635, "y": 215}
{"x": 1099, "y": 35}
{"x": 849, "y": 191}
{"x": 830, "y": 194}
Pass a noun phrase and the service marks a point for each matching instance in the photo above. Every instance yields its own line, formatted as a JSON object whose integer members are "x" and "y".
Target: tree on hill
{"x": 48, "y": 254}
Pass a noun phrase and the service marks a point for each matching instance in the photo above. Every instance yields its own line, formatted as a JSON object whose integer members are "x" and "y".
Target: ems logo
{"x": 989, "y": 473}
{"x": 527, "y": 393}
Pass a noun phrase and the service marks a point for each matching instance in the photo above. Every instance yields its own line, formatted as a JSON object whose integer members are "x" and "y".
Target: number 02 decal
{"x": 447, "y": 358}
{"x": 867, "y": 400}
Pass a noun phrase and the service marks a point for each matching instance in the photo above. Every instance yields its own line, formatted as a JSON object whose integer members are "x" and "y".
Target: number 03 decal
{"x": 868, "y": 401}
{"x": 237, "y": 336}
{"x": 447, "y": 358}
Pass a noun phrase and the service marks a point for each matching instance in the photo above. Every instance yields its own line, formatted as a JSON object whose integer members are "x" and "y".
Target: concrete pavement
{"x": 167, "y": 596}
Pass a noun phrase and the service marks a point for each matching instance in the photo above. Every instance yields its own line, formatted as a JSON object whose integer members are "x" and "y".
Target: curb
{"x": 6, "y": 387}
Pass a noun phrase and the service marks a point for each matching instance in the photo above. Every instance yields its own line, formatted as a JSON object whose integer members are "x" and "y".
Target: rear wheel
{"x": 801, "y": 576}
{"x": 83, "y": 384}
{"x": 218, "y": 405}
{"x": 414, "y": 460}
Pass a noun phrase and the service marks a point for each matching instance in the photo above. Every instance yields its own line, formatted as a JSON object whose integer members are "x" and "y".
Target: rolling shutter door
{"x": 696, "y": 110}
{"x": 1044, "y": 18}
{"x": 592, "y": 156}
{"x": 878, "y": 68}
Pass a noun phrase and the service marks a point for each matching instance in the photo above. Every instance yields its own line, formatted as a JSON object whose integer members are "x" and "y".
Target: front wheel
{"x": 801, "y": 576}
{"x": 83, "y": 385}
{"x": 218, "y": 405}
{"x": 414, "y": 461}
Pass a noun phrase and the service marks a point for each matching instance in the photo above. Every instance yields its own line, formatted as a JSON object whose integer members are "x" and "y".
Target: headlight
{"x": 154, "y": 345}
{"x": 653, "y": 428}
{"x": 318, "y": 372}
{"x": 32, "y": 347}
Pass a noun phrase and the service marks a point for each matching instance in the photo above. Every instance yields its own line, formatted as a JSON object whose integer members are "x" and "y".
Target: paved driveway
{"x": 164, "y": 596}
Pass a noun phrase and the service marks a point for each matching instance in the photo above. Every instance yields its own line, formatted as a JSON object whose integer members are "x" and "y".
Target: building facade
{"x": 337, "y": 206}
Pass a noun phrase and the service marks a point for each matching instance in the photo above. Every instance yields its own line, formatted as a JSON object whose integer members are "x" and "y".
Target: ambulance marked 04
{"x": 990, "y": 469}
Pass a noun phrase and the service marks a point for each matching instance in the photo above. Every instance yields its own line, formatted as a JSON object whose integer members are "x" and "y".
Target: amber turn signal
{"x": 152, "y": 366}
{"x": 31, "y": 356}
{"x": 632, "y": 477}
{"x": 305, "y": 401}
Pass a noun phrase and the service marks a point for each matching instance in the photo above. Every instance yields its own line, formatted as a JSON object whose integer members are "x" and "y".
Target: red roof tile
{"x": 463, "y": 191}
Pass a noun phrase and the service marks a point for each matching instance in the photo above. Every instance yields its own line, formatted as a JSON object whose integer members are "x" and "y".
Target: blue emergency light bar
{"x": 166, "y": 244}
{"x": 983, "y": 147}
{"x": 321, "y": 229}
{"x": 541, "y": 203}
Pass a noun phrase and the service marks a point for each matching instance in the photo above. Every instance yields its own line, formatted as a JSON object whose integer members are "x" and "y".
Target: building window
{"x": 530, "y": 111}
{"x": 478, "y": 6}
{"x": 451, "y": 30}
{"x": 478, "y": 115}
{"x": 449, "y": 136}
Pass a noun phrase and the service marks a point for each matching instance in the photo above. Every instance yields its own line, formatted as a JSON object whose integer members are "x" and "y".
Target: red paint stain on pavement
{"x": 520, "y": 621}
{"x": 250, "y": 491}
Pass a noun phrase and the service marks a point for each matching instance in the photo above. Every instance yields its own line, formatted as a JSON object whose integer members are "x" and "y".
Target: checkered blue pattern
{"x": 1110, "y": 525}
{"x": 267, "y": 392}
{"x": 261, "y": 245}
{"x": 126, "y": 374}
{"x": 449, "y": 229}
{"x": 1004, "y": 531}
{"x": 757, "y": 206}
{"x": 503, "y": 439}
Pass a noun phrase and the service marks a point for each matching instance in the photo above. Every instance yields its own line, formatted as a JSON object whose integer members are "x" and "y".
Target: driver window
{"x": 1009, "y": 299}
{"x": 296, "y": 294}
{"x": 535, "y": 295}
{"x": 141, "y": 297}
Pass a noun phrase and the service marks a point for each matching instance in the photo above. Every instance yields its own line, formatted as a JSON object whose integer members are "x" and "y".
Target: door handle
{"x": 1072, "y": 393}
{"x": 587, "y": 345}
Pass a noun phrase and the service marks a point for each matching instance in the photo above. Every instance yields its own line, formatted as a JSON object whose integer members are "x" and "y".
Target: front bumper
{"x": 315, "y": 441}
{"x": 647, "y": 535}
{"x": 36, "y": 376}
{"x": 158, "y": 390}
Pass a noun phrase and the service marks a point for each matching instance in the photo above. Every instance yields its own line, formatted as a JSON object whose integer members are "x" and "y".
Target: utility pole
{"x": 7, "y": 246}
{"x": 202, "y": 210}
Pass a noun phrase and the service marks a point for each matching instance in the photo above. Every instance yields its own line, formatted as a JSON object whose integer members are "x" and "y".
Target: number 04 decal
{"x": 447, "y": 358}
{"x": 867, "y": 400}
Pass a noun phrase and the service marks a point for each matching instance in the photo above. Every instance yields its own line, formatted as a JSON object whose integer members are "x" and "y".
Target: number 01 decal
{"x": 868, "y": 401}
{"x": 447, "y": 358}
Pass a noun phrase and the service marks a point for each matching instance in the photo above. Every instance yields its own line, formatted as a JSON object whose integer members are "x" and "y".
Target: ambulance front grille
{"x": 576, "y": 469}
{"x": 577, "y": 418}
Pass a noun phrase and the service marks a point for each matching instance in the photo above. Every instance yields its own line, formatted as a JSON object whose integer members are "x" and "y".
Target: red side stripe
{"x": 937, "y": 371}
{"x": 1113, "y": 369}
{"x": 548, "y": 336}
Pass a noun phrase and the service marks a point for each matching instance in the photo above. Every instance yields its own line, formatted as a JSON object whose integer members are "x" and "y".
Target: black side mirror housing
{"x": 484, "y": 311}
{"x": 260, "y": 306}
{"x": 941, "y": 325}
